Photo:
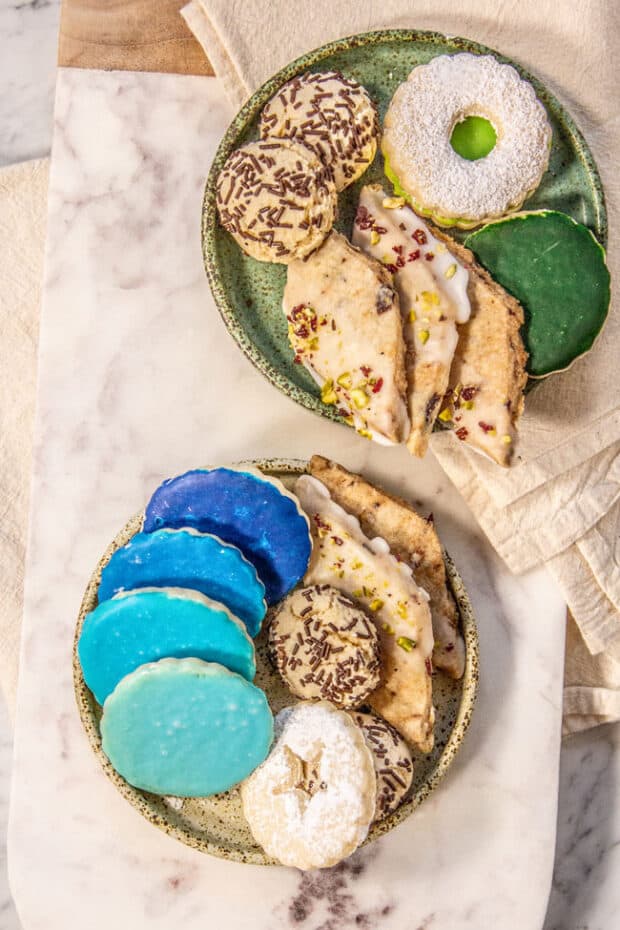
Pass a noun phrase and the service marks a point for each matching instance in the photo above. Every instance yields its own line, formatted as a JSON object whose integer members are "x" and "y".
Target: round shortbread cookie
{"x": 277, "y": 199}
{"x": 185, "y": 727}
{"x": 249, "y": 509}
{"x": 325, "y": 647}
{"x": 311, "y": 802}
{"x": 418, "y": 129}
{"x": 392, "y": 758}
{"x": 330, "y": 114}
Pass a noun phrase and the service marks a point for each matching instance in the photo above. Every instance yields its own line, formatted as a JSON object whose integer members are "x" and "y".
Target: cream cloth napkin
{"x": 560, "y": 503}
{"x": 23, "y": 211}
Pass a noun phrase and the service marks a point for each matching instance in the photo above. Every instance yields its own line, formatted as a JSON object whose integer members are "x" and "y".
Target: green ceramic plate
{"x": 216, "y": 825}
{"x": 249, "y": 293}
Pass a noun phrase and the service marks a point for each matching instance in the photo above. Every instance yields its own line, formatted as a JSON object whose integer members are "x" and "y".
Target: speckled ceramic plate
{"x": 249, "y": 293}
{"x": 216, "y": 825}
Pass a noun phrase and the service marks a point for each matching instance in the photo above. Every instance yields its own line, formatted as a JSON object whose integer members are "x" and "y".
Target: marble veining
{"x": 28, "y": 39}
{"x": 586, "y": 889}
{"x": 139, "y": 380}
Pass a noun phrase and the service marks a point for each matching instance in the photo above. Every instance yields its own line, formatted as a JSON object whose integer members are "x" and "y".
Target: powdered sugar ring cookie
{"x": 418, "y": 128}
{"x": 332, "y": 115}
{"x": 311, "y": 802}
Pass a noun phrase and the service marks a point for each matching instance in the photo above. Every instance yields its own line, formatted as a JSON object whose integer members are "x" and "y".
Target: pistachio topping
{"x": 423, "y": 336}
{"x": 360, "y": 398}
{"x": 405, "y": 643}
{"x": 328, "y": 394}
{"x": 450, "y": 271}
{"x": 393, "y": 203}
{"x": 374, "y": 237}
{"x": 445, "y": 416}
{"x": 376, "y": 604}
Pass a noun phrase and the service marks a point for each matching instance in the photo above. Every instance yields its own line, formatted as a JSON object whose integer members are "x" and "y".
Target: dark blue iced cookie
{"x": 188, "y": 559}
{"x": 185, "y": 727}
{"x": 249, "y": 509}
{"x": 156, "y": 623}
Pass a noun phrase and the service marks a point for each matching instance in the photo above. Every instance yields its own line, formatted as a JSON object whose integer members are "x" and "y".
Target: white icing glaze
{"x": 379, "y": 572}
{"x": 359, "y": 423}
{"x": 454, "y": 288}
{"x": 492, "y": 443}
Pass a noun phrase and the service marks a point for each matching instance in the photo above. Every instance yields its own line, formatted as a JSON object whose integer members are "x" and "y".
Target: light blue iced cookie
{"x": 155, "y": 623}
{"x": 250, "y": 510}
{"x": 185, "y": 727}
{"x": 188, "y": 559}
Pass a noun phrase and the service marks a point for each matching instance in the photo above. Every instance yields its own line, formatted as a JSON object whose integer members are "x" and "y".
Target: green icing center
{"x": 473, "y": 138}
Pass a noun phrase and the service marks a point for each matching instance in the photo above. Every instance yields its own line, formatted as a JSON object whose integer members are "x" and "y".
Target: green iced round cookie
{"x": 556, "y": 269}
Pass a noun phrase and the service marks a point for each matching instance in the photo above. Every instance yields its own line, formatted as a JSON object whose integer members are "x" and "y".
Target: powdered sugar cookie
{"x": 459, "y": 187}
{"x": 392, "y": 758}
{"x": 311, "y": 802}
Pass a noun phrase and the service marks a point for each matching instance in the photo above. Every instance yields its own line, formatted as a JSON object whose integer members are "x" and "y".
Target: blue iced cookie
{"x": 155, "y": 623}
{"x": 185, "y": 727}
{"x": 188, "y": 559}
{"x": 251, "y": 510}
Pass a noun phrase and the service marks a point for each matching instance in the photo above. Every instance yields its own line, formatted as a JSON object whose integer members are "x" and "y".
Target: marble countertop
{"x": 584, "y": 893}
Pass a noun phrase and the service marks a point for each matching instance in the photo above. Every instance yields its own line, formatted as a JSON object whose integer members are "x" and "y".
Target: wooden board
{"x": 132, "y": 35}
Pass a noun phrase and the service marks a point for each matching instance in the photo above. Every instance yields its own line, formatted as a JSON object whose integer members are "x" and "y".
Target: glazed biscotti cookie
{"x": 488, "y": 374}
{"x": 432, "y": 291}
{"x": 412, "y": 539}
{"x": 345, "y": 328}
{"x": 365, "y": 570}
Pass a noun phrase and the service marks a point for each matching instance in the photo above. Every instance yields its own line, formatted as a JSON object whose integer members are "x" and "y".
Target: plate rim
{"x": 209, "y": 219}
{"x": 85, "y": 700}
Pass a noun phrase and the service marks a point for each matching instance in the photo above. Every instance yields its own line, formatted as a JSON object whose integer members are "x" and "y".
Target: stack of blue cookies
{"x": 169, "y": 652}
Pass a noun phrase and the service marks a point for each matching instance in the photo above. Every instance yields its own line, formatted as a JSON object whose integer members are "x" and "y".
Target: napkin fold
{"x": 23, "y": 212}
{"x": 560, "y": 502}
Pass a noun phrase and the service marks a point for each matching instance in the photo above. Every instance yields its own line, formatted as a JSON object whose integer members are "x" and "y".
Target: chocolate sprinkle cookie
{"x": 393, "y": 762}
{"x": 277, "y": 199}
{"x": 332, "y": 115}
{"x": 325, "y": 647}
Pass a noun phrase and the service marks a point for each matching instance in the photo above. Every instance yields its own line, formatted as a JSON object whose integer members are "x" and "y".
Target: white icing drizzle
{"x": 359, "y": 423}
{"x": 390, "y": 583}
{"x": 452, "y": 284}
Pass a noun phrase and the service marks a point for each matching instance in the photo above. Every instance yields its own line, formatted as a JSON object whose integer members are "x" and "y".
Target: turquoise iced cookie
{"x": 185, "y": 727}
{"x": 188, "y": 559}
{"x": 556, "y": 269}
{"x": 150, "y": 624}
{"x": 250, "y": 510}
